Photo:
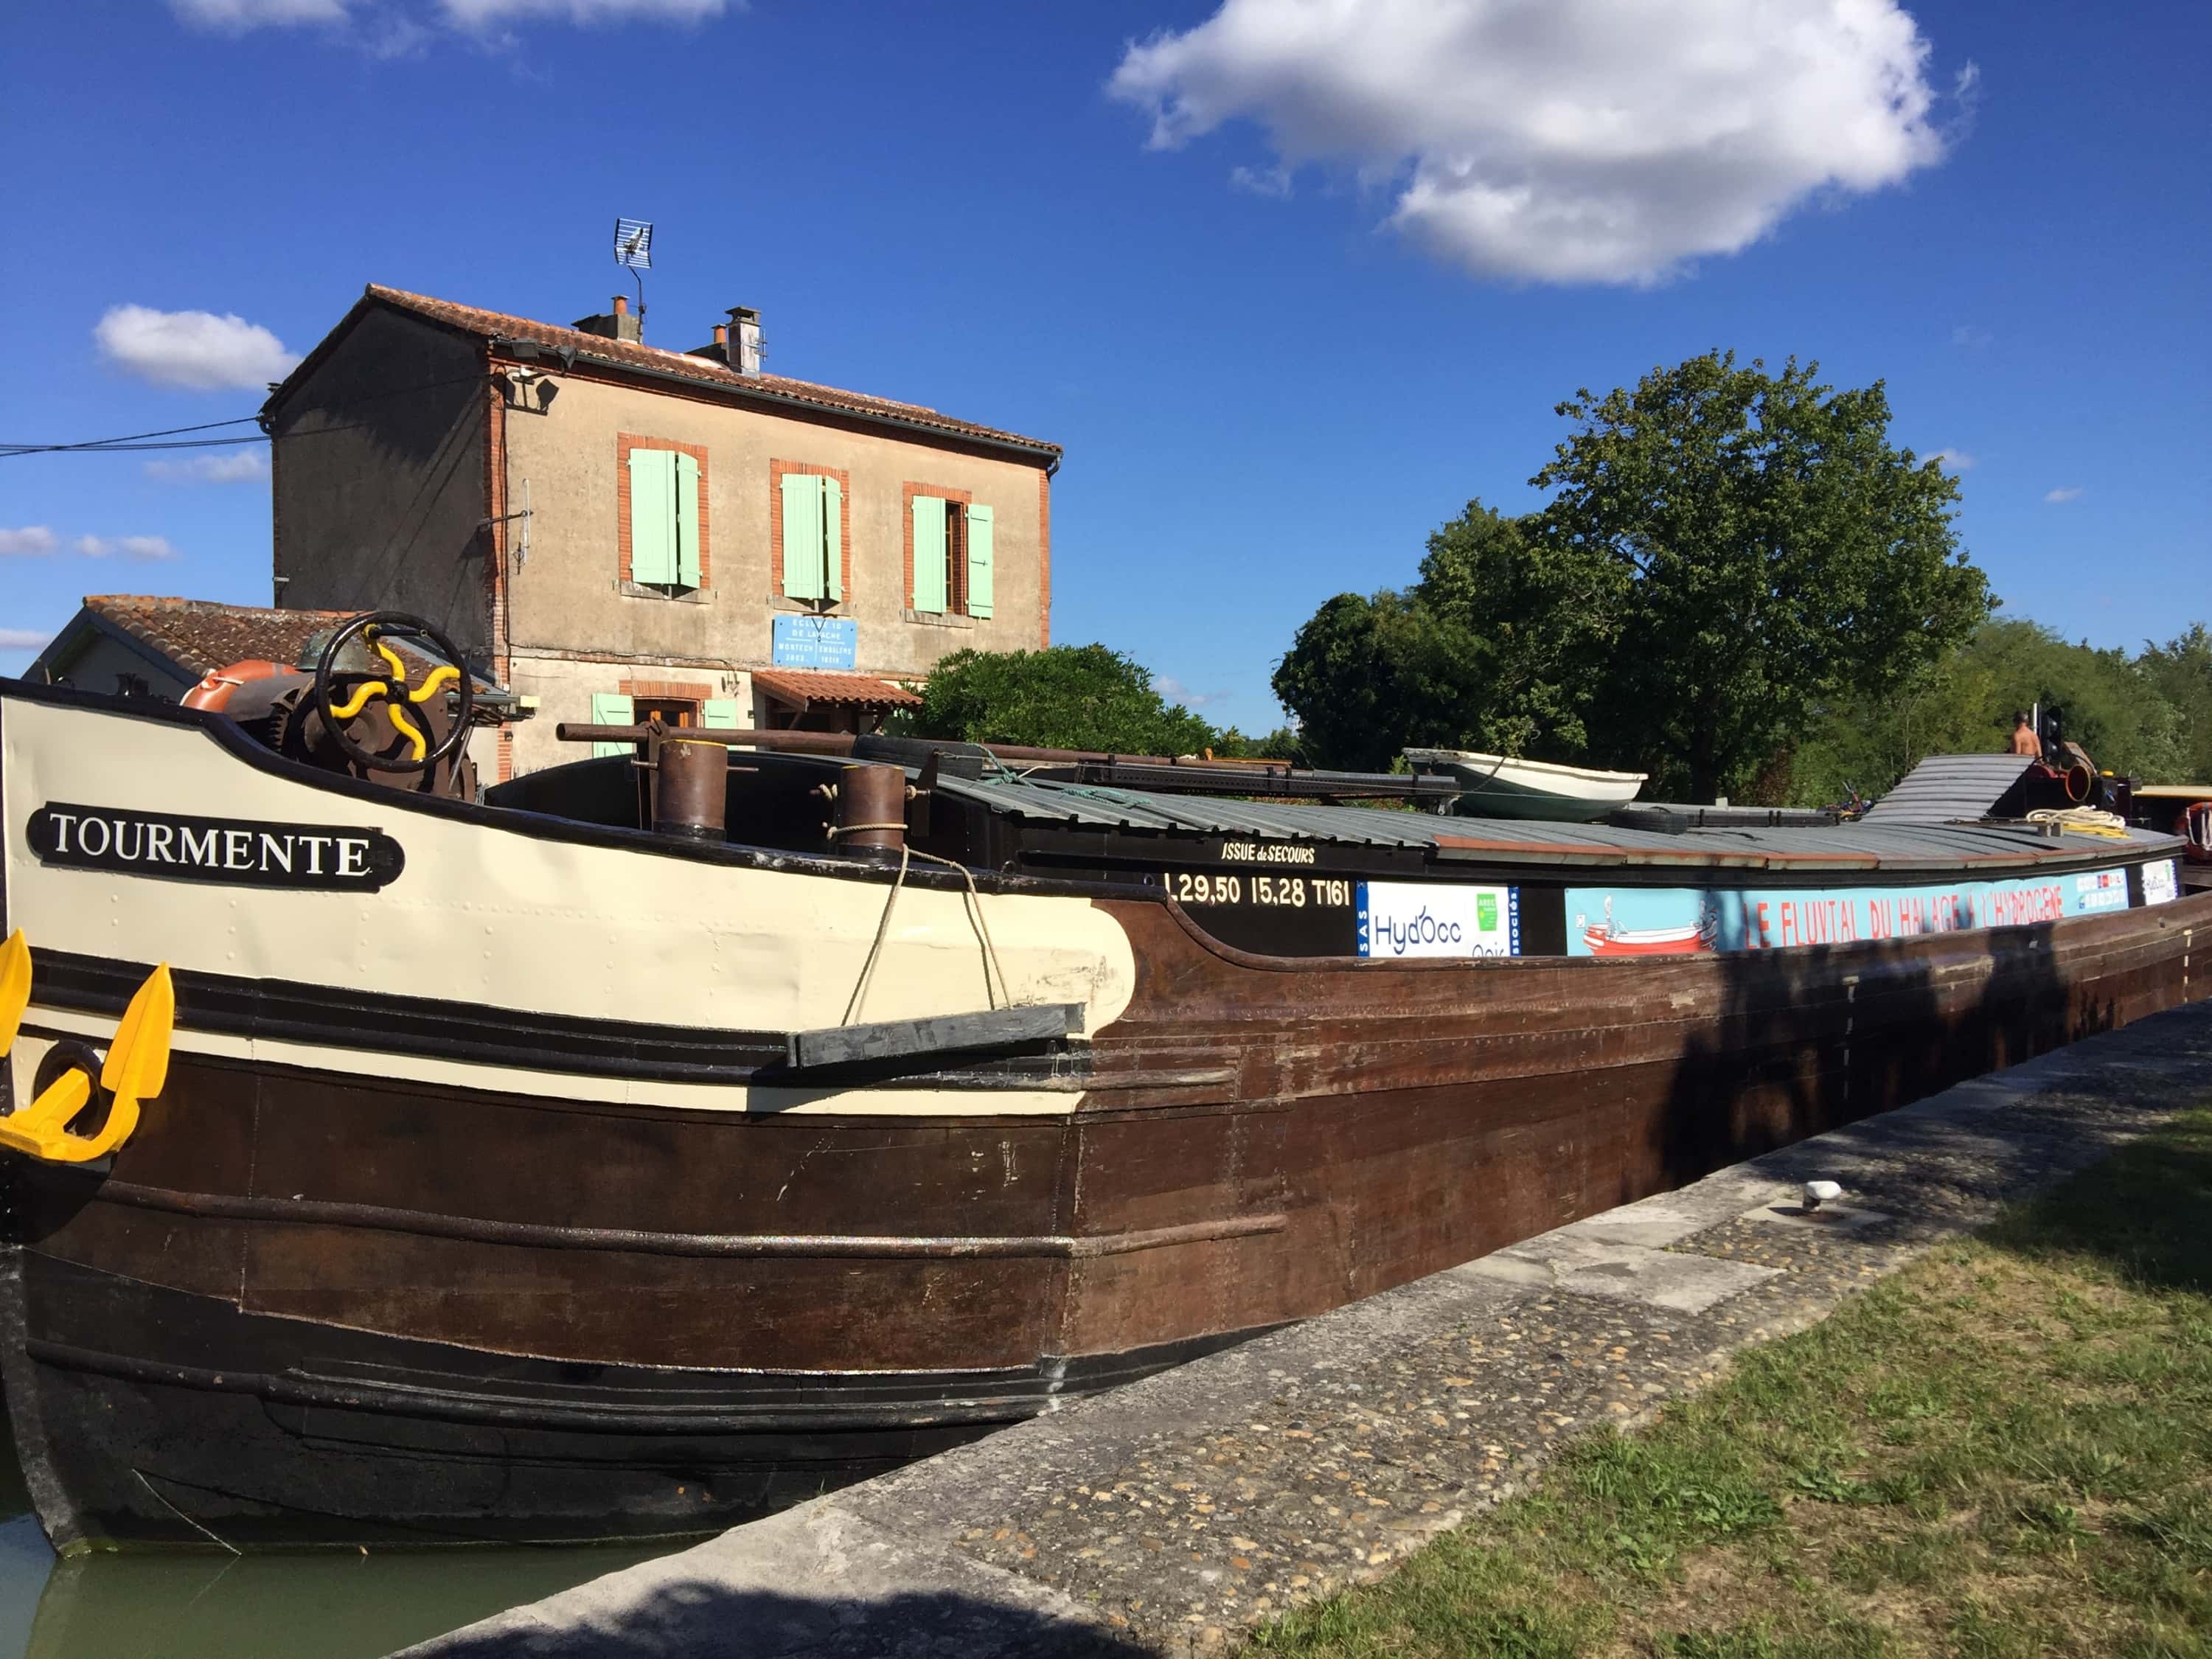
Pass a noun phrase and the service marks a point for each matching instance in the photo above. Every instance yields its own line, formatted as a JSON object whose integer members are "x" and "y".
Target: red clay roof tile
{"x": 201, "y": 634}
{"x": 806, "y": 685}
{"x": 495, "y": 325}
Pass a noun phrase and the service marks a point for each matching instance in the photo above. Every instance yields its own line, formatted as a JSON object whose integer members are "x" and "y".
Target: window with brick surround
{"x": 661, "y": 515}
{"x": 950, "y": 547}
{"x": 810, "y": 534}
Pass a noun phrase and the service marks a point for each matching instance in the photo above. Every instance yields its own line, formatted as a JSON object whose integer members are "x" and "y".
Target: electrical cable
{"x": 132, "y": 437}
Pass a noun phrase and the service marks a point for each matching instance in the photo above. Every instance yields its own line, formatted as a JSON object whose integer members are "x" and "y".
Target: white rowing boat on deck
{"x": 1504, "y": 786}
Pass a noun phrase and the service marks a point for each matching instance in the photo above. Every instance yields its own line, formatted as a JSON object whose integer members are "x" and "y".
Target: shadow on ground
{"x": 694, "y": 1617}
{"x": 2148, "y": 1211}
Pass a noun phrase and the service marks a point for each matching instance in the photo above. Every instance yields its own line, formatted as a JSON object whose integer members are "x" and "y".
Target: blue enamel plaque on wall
{"x": 815, "y": 643}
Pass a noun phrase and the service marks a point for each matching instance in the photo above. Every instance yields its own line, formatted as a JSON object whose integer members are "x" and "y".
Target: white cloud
{"x": 195, "y": 348}
{"x": 1263, "y": 181}
{"x": 1956, "y": 460}
{"x": 31, "y": 538}
{"x": 481, "y": 14}
{"x": 23, "y": 639}
{"x": 1970, "y": 337}
{"x": 2058, "y": 497}
{"x": 1176, "y": 691}
{"x": 235, "y": 16}
{"x": 1564, "y": 141}
{"x": 130, "y": 547}
{"x": 240, "y": 466}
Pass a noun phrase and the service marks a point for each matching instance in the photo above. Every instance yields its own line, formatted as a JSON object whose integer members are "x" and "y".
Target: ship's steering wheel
{"x": 375, "y": 628}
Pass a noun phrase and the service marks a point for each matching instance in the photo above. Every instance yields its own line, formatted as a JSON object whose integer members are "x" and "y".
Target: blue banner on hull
{"x": 1642, "y": 922}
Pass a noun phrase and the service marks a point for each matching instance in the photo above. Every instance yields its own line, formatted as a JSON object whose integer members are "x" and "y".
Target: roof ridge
{"x": 636, "y": 353}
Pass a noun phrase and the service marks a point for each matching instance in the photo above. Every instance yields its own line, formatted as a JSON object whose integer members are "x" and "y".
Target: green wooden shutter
{"x": 612, "y": 708}
{"x": 652, "y": 515}
{"x": 802, "y": 536}
{"x": 833, "y": 537}
{"x": 720, "y": 712}
{"x": 929, "y": 555}
{"x": 686, "y": 519}
{"x": 979, "y": 529}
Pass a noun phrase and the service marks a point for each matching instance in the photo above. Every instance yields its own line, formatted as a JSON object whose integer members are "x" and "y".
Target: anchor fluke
{"x": 137, "y": 1066}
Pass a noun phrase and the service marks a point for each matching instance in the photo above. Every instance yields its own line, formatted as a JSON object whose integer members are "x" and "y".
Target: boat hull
{"x": 433, "y": 1230}
{"x": 269, "y": 1322}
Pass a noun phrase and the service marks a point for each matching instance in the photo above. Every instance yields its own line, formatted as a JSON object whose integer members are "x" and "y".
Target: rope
{"x": 2087, "y": 820}
{"x": 991, "y": 965}
{"x": 875, "y": 950}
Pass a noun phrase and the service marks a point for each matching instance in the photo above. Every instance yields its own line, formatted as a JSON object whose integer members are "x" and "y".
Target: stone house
{"x": 617, "y": 530}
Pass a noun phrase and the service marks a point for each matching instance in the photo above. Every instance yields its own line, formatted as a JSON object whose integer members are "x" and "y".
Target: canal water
{"x": 326, "y": 1604}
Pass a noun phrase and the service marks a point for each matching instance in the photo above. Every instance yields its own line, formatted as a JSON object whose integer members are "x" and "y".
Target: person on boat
{"x": 2025, "y": 743}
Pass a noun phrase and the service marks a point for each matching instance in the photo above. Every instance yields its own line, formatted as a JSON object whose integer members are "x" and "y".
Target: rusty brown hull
{"x": 310, "y": 1305}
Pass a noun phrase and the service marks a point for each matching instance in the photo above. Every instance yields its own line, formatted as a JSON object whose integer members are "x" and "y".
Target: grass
{"x": 2003, "y": 1451}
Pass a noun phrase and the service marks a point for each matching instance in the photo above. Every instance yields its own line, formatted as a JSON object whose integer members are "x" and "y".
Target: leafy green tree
{"x": 1367, "y": 677}
{"x": 1773, "y": 552}
{"x": 1067, "y": 696}
{"x": 1282, "y": 744}
{"x": 2181, "y": 669}
{"x": 1539, "y": 608}
{"x": 2117, "y": 708}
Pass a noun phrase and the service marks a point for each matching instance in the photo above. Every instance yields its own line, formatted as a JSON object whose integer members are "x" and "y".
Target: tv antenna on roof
{"x": 633, "y": 248}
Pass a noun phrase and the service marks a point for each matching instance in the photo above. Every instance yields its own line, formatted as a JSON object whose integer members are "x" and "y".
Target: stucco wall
{"x": 379, "y": 478}
{"x": 99, "y": 664}
{"x": 567, "y": 597}
{"x": 564, "y": 686}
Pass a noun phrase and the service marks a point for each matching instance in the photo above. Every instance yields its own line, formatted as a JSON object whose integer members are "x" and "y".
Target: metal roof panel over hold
{"x": 1946, "y": 788}
{"x": 1841, "y": 849}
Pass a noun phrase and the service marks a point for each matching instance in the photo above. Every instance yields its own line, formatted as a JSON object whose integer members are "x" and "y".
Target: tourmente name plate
{"x": 238, "y": 851}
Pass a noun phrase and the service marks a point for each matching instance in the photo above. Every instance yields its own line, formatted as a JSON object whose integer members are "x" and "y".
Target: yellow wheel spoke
{"x": 354, "y": 704}
{"x": 398, "y": 716}
{"x": 439, "y": 677}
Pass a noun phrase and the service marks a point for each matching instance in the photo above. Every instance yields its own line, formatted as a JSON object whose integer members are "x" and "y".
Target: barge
{"x": 673, "y": 1134}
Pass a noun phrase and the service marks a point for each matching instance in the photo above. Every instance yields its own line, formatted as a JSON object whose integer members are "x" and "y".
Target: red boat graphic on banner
{"x": 1607, "y": 939}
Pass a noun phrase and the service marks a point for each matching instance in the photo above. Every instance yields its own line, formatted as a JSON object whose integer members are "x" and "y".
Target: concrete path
{"x": 1168, "y": 1517}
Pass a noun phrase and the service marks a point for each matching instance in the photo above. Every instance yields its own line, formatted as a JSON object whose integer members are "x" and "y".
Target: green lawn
{"x": 2005, "y": 1450}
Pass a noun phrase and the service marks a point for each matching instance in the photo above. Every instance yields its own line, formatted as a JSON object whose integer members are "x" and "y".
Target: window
{"x": 644, "y": 700}
{"x": 663, "y": 513}
{"x": 132, "y": 685}
{"x": 813, "y": 545}
{"x": 954, "y": 543}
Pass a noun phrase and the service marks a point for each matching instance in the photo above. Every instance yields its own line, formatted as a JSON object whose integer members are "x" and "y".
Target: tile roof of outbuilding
{"x": 627, "y": 354}
{"x": 804, "y": 685}
{"x": 201, "y": 634}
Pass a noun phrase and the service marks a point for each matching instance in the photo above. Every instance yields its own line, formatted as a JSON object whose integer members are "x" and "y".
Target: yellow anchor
{"x": 138, "y": 1065}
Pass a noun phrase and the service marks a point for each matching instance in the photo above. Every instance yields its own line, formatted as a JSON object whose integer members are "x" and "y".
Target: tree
{"x": 1771, "y": 551}
{"x": 1367, "y": 677}
{"x": 1481, "y": 654}
{"x": 2181, "y": 669}
{"x": 1067, "y": 696}
{"x": 1539, "y": 608}
{"x": 2117, "y": 708}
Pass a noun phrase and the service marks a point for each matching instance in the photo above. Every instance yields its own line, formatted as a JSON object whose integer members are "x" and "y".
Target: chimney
{"x": 744, "y": 340}
{"x": 617, "y": 324}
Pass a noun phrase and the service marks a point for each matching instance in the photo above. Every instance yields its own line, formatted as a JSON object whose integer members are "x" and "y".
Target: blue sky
{"x": 1289, "y": 297}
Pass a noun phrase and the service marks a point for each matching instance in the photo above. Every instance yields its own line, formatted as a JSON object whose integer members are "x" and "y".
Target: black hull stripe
{"x": 289, "y": 1011}
{"x": 862, "y": 1246}
{"x": 1010, "y": 1404}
